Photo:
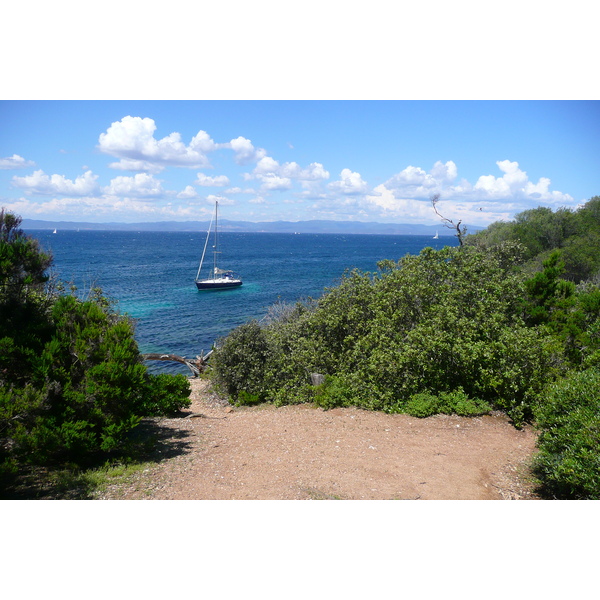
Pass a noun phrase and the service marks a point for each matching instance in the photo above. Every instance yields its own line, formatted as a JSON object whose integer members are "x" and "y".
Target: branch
{"x": 460, "y": 232}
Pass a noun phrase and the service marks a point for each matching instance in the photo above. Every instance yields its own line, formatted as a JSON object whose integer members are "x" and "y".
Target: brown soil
{"x": 302, "y": 452}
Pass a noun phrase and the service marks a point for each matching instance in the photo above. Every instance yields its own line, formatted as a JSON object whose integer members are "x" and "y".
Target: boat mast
{"x": 205, "y": 245}
{"x": 216, "y": 239}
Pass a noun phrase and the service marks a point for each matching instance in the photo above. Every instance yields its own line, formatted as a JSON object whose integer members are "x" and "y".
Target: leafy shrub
{"x": 246, "y": 399}
{"x": 441, "y": 320}
{"x": 335, "y": 391}
{"x": 422, "y": 405}
{"x": 164, "y": 394}
{"x": 568, "y": 462}
{"x": 72, "y": 383}
{"x": 458, "y": 403}
{"x": 455, "y": 402}
{"x": 240, "y": 359}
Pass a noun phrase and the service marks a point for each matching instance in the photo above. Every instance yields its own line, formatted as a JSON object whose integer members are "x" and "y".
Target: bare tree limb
{"x": 460, "y": 231}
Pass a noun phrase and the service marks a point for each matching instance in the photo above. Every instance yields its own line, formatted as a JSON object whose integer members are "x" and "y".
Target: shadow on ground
{"x": 149, "y": 442}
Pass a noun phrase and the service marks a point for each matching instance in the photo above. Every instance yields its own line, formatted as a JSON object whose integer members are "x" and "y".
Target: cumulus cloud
{"x": 350, "y": 183}
{"x": 132, "y": 139}
{"x": 273, "y": 182}
{"x": 409, "y": 210}
{"x": 414, "y": 182}
{"x": 140, "y": 185}
{"x": 40, "y": 183}
{"x": 188, "y": 193}
{"x": 515, "y": 184}
{"x": 144, "y": 166}
{"x": 205, "y": 180}
{"x": 15, "y": 162}
{"x": 268, "y": 166}
{"x": 244, "y": 151}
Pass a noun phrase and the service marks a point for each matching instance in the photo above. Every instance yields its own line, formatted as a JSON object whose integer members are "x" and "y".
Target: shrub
{"x": 335, "y": 391}
{"x": 568, "y": 462}
{"x": 164, "y": 394}
{"x": 240, "y": 359}
{"x": 439, "y": 321}
{"x": 422, "y": 405}
{"x": 72, "y": 383}
{"x": 455, "y": 402}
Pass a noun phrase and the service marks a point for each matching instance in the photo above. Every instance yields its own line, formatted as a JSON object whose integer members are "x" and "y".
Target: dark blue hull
{"x": 209, "y": 285}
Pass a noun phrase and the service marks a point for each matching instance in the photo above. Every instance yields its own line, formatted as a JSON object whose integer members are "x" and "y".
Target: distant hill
{"x": 315, "y": 226}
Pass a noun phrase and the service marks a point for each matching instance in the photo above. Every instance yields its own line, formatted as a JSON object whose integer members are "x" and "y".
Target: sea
{"x": 150, "y": 277}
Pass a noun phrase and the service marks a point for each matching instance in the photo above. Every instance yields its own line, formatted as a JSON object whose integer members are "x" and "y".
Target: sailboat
{"x": 221, "y": 279}
{"x": 436, "y": 236}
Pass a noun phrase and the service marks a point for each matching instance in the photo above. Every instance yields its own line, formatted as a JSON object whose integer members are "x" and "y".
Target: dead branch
{"x": 196, "y": 366}
{"x": 460, "y": 232}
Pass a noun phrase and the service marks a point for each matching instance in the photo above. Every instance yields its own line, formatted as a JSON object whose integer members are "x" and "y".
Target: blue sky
{"x": 131, "y": 161}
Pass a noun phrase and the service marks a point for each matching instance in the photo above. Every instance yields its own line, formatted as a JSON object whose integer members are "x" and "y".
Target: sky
{"x": 269, "y": 160}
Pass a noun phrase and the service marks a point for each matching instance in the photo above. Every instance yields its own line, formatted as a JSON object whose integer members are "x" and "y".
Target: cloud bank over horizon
{"x": 160, "y": 178}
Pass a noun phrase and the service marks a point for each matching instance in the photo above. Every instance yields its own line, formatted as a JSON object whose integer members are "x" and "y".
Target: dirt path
{"x": 302, "y": 452}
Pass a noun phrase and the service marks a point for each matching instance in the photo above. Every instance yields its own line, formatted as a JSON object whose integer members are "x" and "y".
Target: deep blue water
{"x": 151, "y": 276}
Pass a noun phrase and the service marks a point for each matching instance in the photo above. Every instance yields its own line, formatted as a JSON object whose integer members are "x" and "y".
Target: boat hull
{"x": 218, "y": 284}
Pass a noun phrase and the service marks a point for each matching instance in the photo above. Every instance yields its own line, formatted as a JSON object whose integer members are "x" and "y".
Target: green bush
{"x": 335, "y": 391}
{"x": 568, "y": 462}
{"x": 432, "y": 323}
{"x": 455, "y": 402}
{"x": 422, "y": 405}
{"x": 164, "y": 394}
{"x": 72, "y": 382}
{"x": 240, "y": 360}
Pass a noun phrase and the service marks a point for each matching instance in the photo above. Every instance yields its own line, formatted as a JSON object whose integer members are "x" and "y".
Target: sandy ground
{"x": 303, "y": 452}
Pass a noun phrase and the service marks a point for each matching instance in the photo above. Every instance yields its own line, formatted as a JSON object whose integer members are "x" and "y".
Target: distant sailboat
{"x": 436, "y": 236}
{"x": 54, "y": 231}
{"x": 221, "y": 279}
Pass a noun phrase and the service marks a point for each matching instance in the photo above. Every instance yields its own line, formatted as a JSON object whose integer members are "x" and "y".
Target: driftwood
{"x": 195, "y": 365}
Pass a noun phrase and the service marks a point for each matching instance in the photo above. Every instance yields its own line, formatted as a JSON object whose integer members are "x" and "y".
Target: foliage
{"x": 568, "y": 463}
{"x": 240, "y": 361}
{"x": 72, "y": 382}
{"x": 541, "y": 231}
{"x": 456, "y": 402}
{"x": 435, "y": 323}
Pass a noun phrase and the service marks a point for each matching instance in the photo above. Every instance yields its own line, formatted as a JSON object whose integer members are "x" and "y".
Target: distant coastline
{"x": 315, "y": 226}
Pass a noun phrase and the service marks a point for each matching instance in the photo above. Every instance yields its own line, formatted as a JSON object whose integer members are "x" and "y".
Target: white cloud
{"x": 515, "y": 185}
{"x": 273, "y": 182}
{"x": 245, "y": 152}
{"x": 132, "y": 139}
{"x": 218, "y": 181}
{"x": 268, "y": 166}
{"x": 189, "y": 193}
{"x": 40, "y": 183}
{"x": 350, "y": 183}
{"x": 15, "y": 162}
{"x": 414, "y": 182}
{"x": 126, "y": 164}
{"x": 140, "y": 185}
{"x": 408, "y": 209}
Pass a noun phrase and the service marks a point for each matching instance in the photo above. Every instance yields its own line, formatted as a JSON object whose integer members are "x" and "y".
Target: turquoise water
{"x": 151, "y": 276}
